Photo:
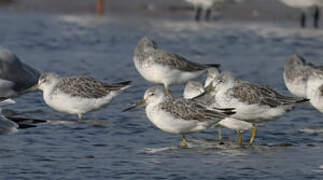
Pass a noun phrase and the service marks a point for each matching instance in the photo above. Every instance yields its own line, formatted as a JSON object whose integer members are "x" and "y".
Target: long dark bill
{"x": 141, "y": 102}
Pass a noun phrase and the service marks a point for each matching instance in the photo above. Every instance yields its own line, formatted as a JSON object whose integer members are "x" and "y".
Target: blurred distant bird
{"x": 203, "y": 5}
{"x": 305, "y": 5}
{"x": 15, "y": 76}
{"x": 77, "y": 94}
{"x": 167, "y": 68}
{"x": 207, "y": 5}
{"x": 296, "y": 73}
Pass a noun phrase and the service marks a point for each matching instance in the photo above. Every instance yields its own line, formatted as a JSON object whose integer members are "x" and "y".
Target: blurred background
{"x": 260, "y": 10}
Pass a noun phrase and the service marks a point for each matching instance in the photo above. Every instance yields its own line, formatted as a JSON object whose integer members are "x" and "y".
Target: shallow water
{"x": 115, "y": 145}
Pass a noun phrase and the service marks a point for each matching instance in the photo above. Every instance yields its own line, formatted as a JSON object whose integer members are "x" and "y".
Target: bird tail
{"x": 217, "y": 115}
{"x": 227, "y": 111}
{"x": 118, "y": 86}
{"x": 293, "y": 100}
{"x": 302, "y": 100}
{"x": 212, "y": 65}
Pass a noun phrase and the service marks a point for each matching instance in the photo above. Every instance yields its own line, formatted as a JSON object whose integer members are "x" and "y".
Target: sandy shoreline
{"x": 258, "y": 10}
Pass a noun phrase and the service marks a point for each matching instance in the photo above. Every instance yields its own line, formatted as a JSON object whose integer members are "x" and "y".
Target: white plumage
{"x": 314, "y": 90}
{"x": 77, "y": 94}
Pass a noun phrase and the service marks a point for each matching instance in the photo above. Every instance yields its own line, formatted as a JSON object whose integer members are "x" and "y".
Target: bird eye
{"x": 43, "y": 80}
{"x": 152, "y": 94}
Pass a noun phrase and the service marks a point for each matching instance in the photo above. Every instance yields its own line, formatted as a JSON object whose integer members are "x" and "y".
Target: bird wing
{"x": 82, "y": 86}
{"x": 177, "y": 61}
{"x": 188, "y": 110}
{"x": 117, "y": 86}
{"x": 251, "y": 93}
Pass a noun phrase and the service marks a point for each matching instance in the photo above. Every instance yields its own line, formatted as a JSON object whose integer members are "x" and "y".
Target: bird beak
{"x": 33, "y": 88}
{"x": 208, "y": 90}
{"x": 140, "y": 103}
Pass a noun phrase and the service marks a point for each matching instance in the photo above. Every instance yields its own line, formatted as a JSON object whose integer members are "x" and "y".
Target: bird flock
{"x": 222, "y": 101}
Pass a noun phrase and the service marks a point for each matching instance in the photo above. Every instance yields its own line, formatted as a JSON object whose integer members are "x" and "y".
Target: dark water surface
{"x": 115, "y": 145}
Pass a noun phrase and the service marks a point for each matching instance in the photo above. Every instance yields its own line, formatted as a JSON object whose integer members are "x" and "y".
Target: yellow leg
{"x": 80, "y": 117}
{"x": 253, "y": 134}
{"x": 240, "y": 137}
{"x": 219, "y": 133}
{"x": 168, "y": 91}
{"x": 184, "y": 142}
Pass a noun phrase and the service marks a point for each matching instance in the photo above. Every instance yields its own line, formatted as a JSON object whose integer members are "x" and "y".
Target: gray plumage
{"x": 189, "y": 110}
{"x": 85, "y": 86}
{"x": 251, "y": 93}
{"x": 296, "y": 67}
{"x": 148, "y": 53}
{"x": 296, "y": 74}
{"x": 20, "y": 76}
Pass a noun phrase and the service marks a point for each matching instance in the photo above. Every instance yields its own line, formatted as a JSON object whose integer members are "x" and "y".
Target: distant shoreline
{"x": 253, "y": 10}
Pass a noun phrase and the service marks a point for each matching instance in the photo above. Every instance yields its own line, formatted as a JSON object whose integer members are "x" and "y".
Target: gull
{"x": 178, "y": 115}
{"x": 16, "y": 77}
{"x": 163, "y": 67}
{"x": 77, "y": 94}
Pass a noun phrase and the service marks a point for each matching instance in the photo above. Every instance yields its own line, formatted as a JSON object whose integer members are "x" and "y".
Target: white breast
{"x": 75, "y": 105}
{"x": 253, "y": 113}
{"x": 296, "y": 87}
{"x": 164, "y": 121}
{"x": 314, "y": 94}
{"x": 203, "y": 3}
{"x": 157, "y": 73}
{"x": 235, "y": 124}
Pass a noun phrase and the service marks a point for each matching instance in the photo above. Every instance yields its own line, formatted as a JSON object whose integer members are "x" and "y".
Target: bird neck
{"x": 49, "y": 88}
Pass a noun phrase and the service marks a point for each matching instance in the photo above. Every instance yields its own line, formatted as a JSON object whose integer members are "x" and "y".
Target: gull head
{"x": 47, "y": 80}
{"x": 153, "y": 95}
{"x": 193, "y": 89}
{"x": 145, "y": 44}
